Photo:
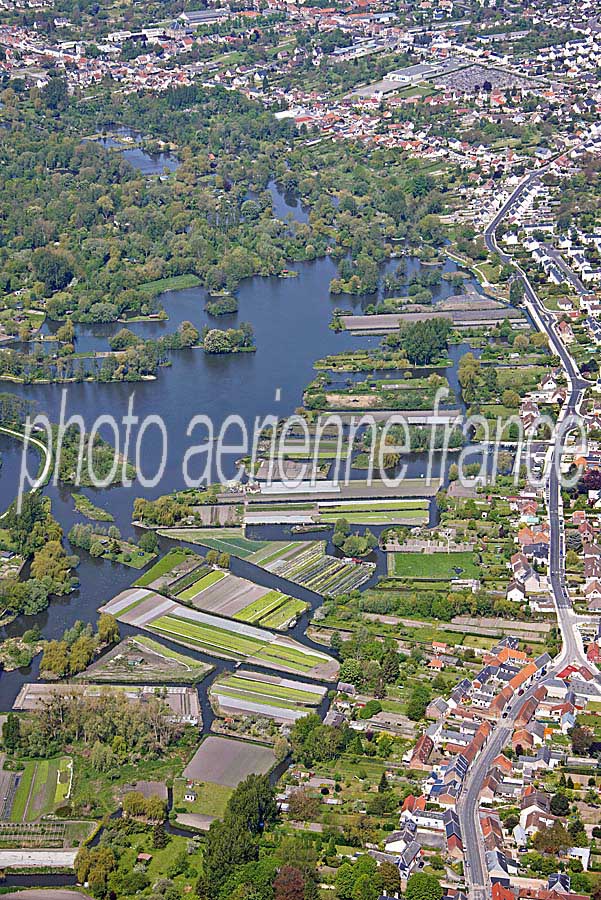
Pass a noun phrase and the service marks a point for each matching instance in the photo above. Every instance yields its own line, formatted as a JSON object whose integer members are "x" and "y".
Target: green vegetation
{"x": 232, "y": 645}
{"x": 224, "y": 540}
{"x": 433, "y": 566}
{"x": 85, "y": 506}
{"x": 162, "y": 567}
{"x": 171, "y": 283}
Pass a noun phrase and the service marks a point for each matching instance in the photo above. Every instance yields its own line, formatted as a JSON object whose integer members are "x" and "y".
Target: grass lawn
{"x": 164, "y": 565}
{"x": 134, "y": 558}
{"x": 435, "y": 566}
{"x": 211, "y": 799}
{"x": 173, "y": 283}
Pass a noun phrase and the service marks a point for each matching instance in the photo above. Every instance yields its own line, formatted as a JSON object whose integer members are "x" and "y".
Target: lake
{"x": 290, "y": 317}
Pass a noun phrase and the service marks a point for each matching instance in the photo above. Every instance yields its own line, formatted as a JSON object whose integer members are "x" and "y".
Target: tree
{"x": 134, "y": 804}
{"x": 391, "y": 879}
{"x": 108, "y": 629}
{"x": 351, "y": 672}
{"x": 11, "y": 732}
{"x": 159, "y": 836}
{"x": 366, "y": 887}
{"x": 390, "y": 666}
{"x": 552, "y": 840}
{"x": 149, "y": 542}
{"x": 516, "y": 292}
{"x": 383, "y": 785}
{"x": 423, "y": 886}
{"x": 224, "y": 561}
{"x": 582, "y": 740}
{"x": 418, "y": 702}
{"x": 560, "y": 805}
{"x": 289, "y": 884}
{"x": 302, "y": 806}
{"x": 253, "y": 804}
{"x": 345, "y": 880}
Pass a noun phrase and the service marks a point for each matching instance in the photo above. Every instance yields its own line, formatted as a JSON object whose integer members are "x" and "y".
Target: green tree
{"x": 423, "y": 886}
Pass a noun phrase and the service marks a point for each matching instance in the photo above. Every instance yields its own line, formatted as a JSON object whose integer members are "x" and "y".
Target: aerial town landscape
{"x": 300, "y": 449}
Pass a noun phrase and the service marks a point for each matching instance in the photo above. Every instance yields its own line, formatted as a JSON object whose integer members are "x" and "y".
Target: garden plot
{"x": 307, "y": 564}
{"x": 141, "y": 659}
{"x": 238, "y": 598}
{"x": 218, "y": 637}
{"x": 42, "y": 787}
{"x": 248, "y": 694}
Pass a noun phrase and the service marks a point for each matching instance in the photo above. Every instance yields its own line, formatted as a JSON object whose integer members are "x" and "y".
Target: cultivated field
{"x": 228, "y": 762}
{"x": 217, "y": 636}
{"x": 237, "y": 598}
{"x": 307, "y": 564}
{"x": 224, "y": 540}
{"x": 246, "y": 693}
{"x": 43, "y": 786}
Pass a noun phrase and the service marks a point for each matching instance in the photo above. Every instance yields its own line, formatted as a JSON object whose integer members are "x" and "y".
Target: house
{"x": 421, "y": 753}
{"x": 410, "y": 860}
{"x": 565, "y": 332}
{"x": 515, "y": 592}
{"x": 190, "y": 797}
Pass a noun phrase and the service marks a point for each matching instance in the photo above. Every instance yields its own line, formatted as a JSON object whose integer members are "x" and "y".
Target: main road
{"x": 476, "y": 872}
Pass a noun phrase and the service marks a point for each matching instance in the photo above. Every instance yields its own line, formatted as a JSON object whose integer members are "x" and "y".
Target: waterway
{"x": 291, "y": 318}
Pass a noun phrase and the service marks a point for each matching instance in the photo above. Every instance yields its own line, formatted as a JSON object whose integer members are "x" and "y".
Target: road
{"x": 572, "y": 647}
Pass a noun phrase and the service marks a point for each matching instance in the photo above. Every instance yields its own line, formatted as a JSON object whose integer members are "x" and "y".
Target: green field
{"x": 230, "y": 644}
{"x": 243, "y": 686}
{"x": 43, "y": 786}
{"x": 285, "y": 613}
{"x": 385, "y": 517}
{"x": 211, "y": 799}
{"x": 172, "y": 283}
{"x": 436, "y": 566}
{"x": 201, "y": 585}
{"x": 273, "y": 610}
{"x": 22, "y": 793}
{"x": 224, "y": 540}
{"x": 135, "y": 558}
{"x": 164, "y": 565}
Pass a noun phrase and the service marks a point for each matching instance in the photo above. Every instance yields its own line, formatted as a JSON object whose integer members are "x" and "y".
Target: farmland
{"x": 384, "y": 512}
{"x": 224, "y": 540}
{"x": 226, "y": 762}
{"x": 303, "y": 562}
{"x": 217, "y": 636}
{"x": 167, "y": 565}
{"x": 237, "y": 598}
{"x": 307, "y": 564}
{"x": 42, "y": 787}
{"x": 245, "y": 693}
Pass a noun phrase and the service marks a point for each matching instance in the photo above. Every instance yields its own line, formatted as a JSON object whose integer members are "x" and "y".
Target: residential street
{"x": 572, "y": 647}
